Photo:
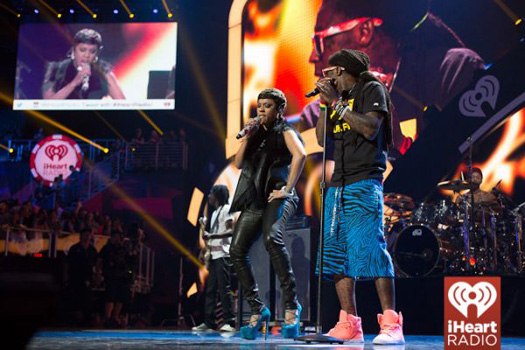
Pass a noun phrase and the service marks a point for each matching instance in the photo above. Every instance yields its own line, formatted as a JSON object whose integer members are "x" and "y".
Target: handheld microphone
{"x": 248, "y": 128}
{"x": 317, "y": 91}
{"x": 313, "y": 93}
{"x": 85, "y": 80}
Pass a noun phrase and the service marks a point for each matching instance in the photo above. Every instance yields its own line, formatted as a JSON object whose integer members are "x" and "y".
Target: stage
{"x": 151, "y": 340}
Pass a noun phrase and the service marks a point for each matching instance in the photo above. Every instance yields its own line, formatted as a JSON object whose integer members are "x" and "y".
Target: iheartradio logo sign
{"x": 59, "y": 151}
{"x": 54, "y": 156}
{"x": 472, "y": 313}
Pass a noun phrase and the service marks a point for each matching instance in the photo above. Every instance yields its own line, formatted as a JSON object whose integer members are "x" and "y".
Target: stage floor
{"x": 153, "y": 340}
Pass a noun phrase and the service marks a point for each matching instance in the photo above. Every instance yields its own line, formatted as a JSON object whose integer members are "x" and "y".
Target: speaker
{"x": 298, "y": 244}
{"x": 158, "y": 84}
{"x": 260, "y": 262}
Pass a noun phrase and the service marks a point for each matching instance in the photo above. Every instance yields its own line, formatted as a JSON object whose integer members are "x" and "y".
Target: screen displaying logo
{"x": 54, "y": 156}
{"x": 472, "y": 313}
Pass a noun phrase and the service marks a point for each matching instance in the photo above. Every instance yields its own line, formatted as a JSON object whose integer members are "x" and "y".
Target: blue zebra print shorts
{"x": 354, "y": 242}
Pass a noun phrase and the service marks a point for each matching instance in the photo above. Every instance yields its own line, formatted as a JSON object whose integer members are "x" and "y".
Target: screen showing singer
{"x": 83, "y": 74}
{"x": 96, "y": 66}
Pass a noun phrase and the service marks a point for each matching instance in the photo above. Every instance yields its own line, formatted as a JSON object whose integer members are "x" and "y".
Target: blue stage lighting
{"x": 36, "y": 11}
{"x": 115, "y": 11}
{"x": 155, "y": 11}
{"x": 71, "y": 11}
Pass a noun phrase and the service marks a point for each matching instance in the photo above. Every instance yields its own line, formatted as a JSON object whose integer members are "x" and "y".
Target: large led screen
{"x": 88, "y": 66}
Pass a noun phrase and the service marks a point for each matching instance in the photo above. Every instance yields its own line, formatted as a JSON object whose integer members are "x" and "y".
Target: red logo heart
{"x": 52, "y": 151}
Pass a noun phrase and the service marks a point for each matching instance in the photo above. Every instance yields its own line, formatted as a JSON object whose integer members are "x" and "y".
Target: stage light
{"x": 170, "y": 15}
{"x": 88, "y": 10}
{"x": 115, "y": 11}
{"x": 71, "y": 11}
{"x": 148, "y": 119}
{"x": 518, "y": 21}
{"x": 155, "y": 225}
{"x": 46, "y": 119}
{"x": 18, "y": 15}
{"x": 59, "y": 15}
{"x": 36, "y": 11}
{"x": 155, "y": 11}
{"x": 131, "y": 15}
{"x": 106, "y": 150}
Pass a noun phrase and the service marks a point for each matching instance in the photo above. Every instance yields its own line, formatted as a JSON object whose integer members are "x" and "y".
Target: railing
{"x": 127, "y": 156}
{"x": 15, "y": 241}
{"x": 162, "y": 155}
{"x": 22, "y": 149}
{"x": 101, "y": 170}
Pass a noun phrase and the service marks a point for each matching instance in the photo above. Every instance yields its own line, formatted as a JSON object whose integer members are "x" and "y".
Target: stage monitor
{"x": 96, "y": 66}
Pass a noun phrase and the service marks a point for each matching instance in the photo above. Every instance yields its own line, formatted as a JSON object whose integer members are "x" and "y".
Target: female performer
{"x": 271, "y": 157}
{"x": 82, "y": 75}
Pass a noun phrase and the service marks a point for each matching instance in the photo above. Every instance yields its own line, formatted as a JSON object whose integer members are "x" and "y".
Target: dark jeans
{"x": 272, "y": 222}
{"x": 218, "y": 282}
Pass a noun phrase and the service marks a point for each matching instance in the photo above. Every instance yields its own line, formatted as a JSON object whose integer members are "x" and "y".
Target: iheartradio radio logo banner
{"x": 472, "y": 313}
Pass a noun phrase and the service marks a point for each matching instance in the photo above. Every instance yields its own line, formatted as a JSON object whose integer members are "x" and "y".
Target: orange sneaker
{"x": 348, "y": 328}
{"x": 391, "y": 324}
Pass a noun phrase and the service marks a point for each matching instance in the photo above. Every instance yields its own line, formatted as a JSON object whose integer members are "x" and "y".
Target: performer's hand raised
{"x": 328, "y": 92}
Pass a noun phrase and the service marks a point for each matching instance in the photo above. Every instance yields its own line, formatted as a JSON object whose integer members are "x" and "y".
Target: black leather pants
{"x": 272, "y": 222}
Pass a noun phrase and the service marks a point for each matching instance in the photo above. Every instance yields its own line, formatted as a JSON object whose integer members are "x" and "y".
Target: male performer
{"x": 359, "y": 114}
{"x": 218, "y": 241}
{"x": 480, "y": 196}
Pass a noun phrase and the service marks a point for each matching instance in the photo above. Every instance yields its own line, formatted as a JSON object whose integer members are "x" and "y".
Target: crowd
{"x": 154, "y": 137}
{"x": 97, "y": 286}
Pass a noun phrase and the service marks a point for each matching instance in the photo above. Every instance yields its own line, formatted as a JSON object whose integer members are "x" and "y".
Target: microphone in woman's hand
{"x": 248, "y": 128}
{"x": 85, "y": 79}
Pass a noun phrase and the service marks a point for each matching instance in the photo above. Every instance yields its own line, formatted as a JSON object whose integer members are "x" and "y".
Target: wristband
{"x": 288, "y": 194}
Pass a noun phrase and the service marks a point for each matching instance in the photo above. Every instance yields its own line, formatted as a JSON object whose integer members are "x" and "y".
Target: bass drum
{"x": 418, "y": 251}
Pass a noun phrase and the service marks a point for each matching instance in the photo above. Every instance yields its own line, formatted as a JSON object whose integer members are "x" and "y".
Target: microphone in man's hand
{"x": 317, "y": 91}
{"x": 248, "y": 128}
{"x": 313, "y": 93}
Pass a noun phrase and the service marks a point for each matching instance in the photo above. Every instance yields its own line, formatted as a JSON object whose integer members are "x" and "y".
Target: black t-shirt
{"x": 357, "y": 158}
{"x": 116, "y": 261}
{"x": 81, "y": 262}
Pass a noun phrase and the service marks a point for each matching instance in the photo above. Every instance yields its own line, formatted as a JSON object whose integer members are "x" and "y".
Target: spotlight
{"x": 155, "y": 11}
{"x": 170, "y": 15}
{"x": 94, "y": 15}
{"x": 115, "y": 11}
{"x": 59, "y": 15}
{"x": 71, "y": 11}
{"x": 106, "y": 150}
{"x": 11, "y": 150}
{"x": 18, "y": 15}
{"x": 36, "y": 11}
{"x": 131, "y": 15}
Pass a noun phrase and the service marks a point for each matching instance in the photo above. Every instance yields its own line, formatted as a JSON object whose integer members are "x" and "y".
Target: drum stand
{"x": 518, "y": 226}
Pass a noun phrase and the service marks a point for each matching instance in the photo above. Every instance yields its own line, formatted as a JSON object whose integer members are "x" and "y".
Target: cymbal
{"x": 399, "y": 201}
{"x": 454, "y": 185}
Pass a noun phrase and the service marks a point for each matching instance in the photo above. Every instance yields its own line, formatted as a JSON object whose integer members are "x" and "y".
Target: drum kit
{"x": 451, "y": 238}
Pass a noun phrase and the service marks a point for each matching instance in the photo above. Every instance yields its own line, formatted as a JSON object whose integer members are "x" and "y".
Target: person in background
{"x": 81, "y": 261}
{"x": 218, "y": 239}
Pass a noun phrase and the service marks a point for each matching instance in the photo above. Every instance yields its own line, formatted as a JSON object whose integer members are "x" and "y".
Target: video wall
{"x": 96, "y": 66}
{"x": 449, "y": 83}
